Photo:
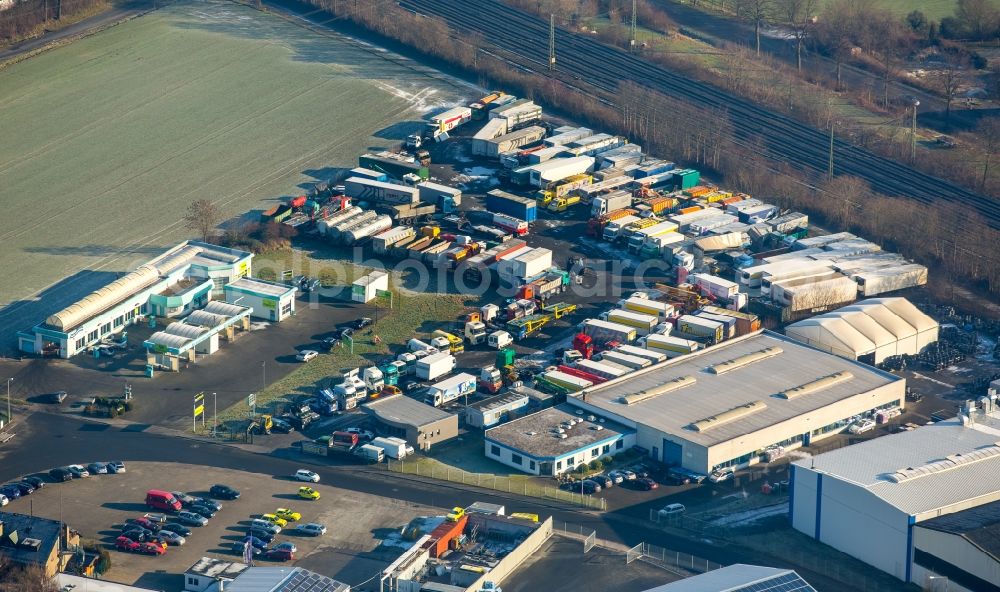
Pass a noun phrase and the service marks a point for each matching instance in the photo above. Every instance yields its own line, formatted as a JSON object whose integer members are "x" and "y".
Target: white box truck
{"x": 435, "y": 366}
{"x": 390, "y": 448}
{"x": 448, "y": 390}
{"x": 370, "y": 453}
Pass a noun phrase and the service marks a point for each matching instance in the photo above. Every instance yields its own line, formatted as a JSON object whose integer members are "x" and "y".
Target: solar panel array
{"x": 789, "y": 582}
{"x": 307, "y": 581}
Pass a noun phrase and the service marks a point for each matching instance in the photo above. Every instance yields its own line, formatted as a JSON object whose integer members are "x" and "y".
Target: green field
{"x": 108, "y": 139}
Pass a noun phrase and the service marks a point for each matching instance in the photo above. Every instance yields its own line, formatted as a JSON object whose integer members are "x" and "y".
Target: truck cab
{"x": 374, "y": 379}
{"x": 475, "y": 332}
{"x": 452, "y": 342}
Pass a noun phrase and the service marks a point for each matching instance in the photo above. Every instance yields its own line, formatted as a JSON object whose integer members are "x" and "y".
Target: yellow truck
{"x": 455, "y": 343}
{"x": 561, "y": 204}
{"x": 562, "y": 188}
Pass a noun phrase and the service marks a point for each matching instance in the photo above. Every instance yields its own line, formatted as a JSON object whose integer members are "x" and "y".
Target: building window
{"x": 606, "y": 449}
{"x": 80, "y": 343}
{"x": 130, "y": 315}
{"x": 531, "y": 465}
{"x": 619, "y": 444}
{"x": 192, "y": 581}
{"x": 105, "y": 328}
{"x": 287, "y": 308}
{"x": 119, "y": 321}
{"x": 570, "y": 462}
{"x": 558, "y": 465}
{"x": 495, "y": 450}
{"x": 92, "y": 336}
{"x": 516, "y": 459}
{"x": 595, "y": 453}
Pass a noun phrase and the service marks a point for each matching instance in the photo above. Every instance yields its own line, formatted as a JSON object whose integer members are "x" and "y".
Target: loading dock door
{"x": 673, "y": 453}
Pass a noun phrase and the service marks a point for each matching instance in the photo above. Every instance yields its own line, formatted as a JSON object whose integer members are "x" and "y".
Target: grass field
{"x": 109, "y": 138}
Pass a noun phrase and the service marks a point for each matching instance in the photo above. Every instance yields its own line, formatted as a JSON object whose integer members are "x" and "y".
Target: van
{"x": 671, "y": 510}
{"x": 162, "y": 500}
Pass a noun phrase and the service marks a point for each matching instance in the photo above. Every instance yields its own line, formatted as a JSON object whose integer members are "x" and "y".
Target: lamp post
{"x": 263, "y": 374}
{"x": 9, "y": 380}
{"x": 215, "y": 413}
{"x": 913, "y": 132}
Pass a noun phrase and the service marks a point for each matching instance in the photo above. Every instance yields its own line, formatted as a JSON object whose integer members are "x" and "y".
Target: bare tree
{"x": 756, "y": 12}
{"x": 203, "y": 216}
{"x": 837, "y": 30}
{"x": 978, "y": 18}
{"x": 989, "y": 132}
{"x": 24, "y": 578}
{"x": 948, "y": 78}
{"x": 799, "y": 16}
{"x": 889, "y": 42}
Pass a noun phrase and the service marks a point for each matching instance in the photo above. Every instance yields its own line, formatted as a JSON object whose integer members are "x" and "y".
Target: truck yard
{"x": 467, "y": 289}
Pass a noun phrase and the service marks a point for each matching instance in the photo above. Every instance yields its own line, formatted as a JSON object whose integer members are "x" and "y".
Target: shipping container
{"x": 644, "y": 324}
{"x": 670, "y": 346}
{"x": 380, "y": 192}
{"x": 653, "y": 168}
{"x": 758, "y": 214}
{"x": 654, "y": 357}
{"x": 493, "y": 128}
{"x": 605, "y": 331}
{"x": 515, "y": 206}
{"x": 728, "y": 322}
{"x": 745, "y": 322}
{"x": 714, "y": 286}
{"x": 567, "y": 381}
{"x": 648, "y": 307}
{"x": 517, "y": 113}
{"x": 616, "y": 200}
{"x": 526, "y": 265}
{"x": 441, "y": 538}
{"x": 705, "y": 225}
{"x": 595, "y": 144}
{"x": 874, "y": 282}
{"x": 699, "y": 327}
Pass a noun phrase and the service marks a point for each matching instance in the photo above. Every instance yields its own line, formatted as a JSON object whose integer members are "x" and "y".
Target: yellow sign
{"x": 199, "y": 410}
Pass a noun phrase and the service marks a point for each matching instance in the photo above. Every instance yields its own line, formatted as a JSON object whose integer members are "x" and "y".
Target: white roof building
{"x": 866, "y": 499}
{"x": 740, "y": 578}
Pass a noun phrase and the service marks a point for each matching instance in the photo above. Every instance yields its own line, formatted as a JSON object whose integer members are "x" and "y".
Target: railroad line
{"x": 583, "y": 61}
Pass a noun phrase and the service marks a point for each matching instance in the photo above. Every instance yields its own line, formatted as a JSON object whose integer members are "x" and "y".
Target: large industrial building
{"x": 184, "y": 280}
{"x": 733, "y": 404}
{"x": 870, "y": 330}
{"x": 740, "y": 577}
{"x": 918, "y": 505}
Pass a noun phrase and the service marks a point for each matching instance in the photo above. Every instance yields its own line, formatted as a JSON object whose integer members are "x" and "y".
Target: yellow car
{"x": 289, "y": 515}
{"x": 308, "y": 493}
{"x": 275, "y": 520}
{"x": 456, "y": 514}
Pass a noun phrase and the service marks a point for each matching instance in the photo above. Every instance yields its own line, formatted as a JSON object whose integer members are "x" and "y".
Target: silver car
{"x": 191, "y": 519}
{"x": 311, "y": 529}
{"x": 170, "y": 538}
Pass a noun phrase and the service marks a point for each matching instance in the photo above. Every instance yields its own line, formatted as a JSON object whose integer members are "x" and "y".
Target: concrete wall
{"x": 425, "y": 437}
{"x": 958, "y": 552}
{"x": 515, "y": 558}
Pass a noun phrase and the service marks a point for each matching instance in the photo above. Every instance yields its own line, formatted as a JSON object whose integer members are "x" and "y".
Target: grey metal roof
{"x": 225, "y": 309}
{"x": 870, "y": 465}
{"x": 18, "y": 527}
{"x": 284, "y": 579}
{"x": 535, "y": 434}
{"x": 740, "y": 578}
{"x": 261, "y": 286}
{"x": 404, "y": 410}
{"x": 499, "y": 401}
{"x": 712, "y": 394}
{"x": 979, "y": 525}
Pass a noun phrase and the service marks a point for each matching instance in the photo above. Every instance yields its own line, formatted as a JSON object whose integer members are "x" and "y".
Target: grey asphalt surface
{"x": 714, "y": 27}
{"x": 44, "y": 441}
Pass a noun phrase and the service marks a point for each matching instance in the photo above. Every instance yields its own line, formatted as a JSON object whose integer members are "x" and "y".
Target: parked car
{"x": 177, "y": 528}
{"x": 862, "y": 426}
{"x": 261, "y": 534}
{"x": 78, "y": 471}
{"x": 265, "y": 526}
{"x": 590, "y": 486}
{"x": 23, "y": 487}
{"x": 306, "y": 355}
{"x": 646, "y": 484}
{"x": 191, "y": 519}
{"x": 185, "y": 499}
{"x": 311, "y": 529}
{"x": 202, "y": 510}
{"x": 256, "y": 542}
{"x": 720, "y": 475}
{"x": 288, "y": 515}
{"x": 60, "y": 475}
{"x": 170, "y": 537}
{"x": 207, "y": 502}
{"x": 240, "y": 546}
{"x": 616, "y": 477}
{"x": 285, "y": 546}
{"x": 274, "y": 520}
{"x": 363, "y": 322}
{"x": 4, "y": 500}
{"x": 331, "y": 342}
{"x": 158, "y": 519}
{"x": 456, "y": 514}
{"x": 603, "y": 480}
{"x": 629, "y": 475}
{"x": 152, "y": 548}
{"x": 671, "y": 510}
{"x": 123, "y": 543}
{"x": 362, "y": 434}
{"x": 144, "y": 523}
{"x": 280, "y": 426}
{"x": 136, "y": 534}
{"x": 306, "y": 475}
{"x": 308, "y": 493}
{"x": 224, "y": 492}
{"x": 36, "y": 482}
{"x": 96, "y": 468}
{"x": 116, "y": 466}
{"x": 11, "y": 492}
{"x": 279, "y": 555}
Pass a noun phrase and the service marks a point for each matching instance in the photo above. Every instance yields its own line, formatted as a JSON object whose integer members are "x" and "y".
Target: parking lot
{"x": 97, "y": 506}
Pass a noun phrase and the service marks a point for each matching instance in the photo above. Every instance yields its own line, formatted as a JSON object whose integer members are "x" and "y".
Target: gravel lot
{"x": 98, "y": 505}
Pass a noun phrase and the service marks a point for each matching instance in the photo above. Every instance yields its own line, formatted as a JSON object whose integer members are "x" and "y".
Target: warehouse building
{"x": 740, "y": 577}
{"x": 869, "y": 331}
{"x": 177, "y": 282}
{"x": 269, "y": 301}
{"x": 420, "y": 424}
{"x": 741, "y": 401}
{"x": 917, "y": 505}
{"x": 494, "y": 410}
{"x": 556, "y": 440}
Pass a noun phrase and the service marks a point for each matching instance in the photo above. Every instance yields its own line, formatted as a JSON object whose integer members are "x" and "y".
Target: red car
{"x": 646, "y": 484}
{"x": 279, "y": 555}
{"x": 152, "y": 548}
{"x": 126, "y": 544}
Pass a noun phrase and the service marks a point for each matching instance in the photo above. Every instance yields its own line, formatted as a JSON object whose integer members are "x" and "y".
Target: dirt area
{"x": 349, "y": 551}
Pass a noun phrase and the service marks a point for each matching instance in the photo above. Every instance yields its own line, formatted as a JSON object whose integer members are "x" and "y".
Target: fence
{"x": 520, "y": 485}
{"x": 669, "y": 560}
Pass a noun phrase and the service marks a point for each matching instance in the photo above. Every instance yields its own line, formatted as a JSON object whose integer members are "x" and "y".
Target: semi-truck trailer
{"x": 669, "y": 345}
{"x": 637, "y": 240}
{"x": 602, "y": 204}
{"x": 448, "y": 390}
{"x": 605, "y": 331}
{"x": 443, "y": 123}
{"x": 644, "y": 324}
{"x": 435, "y": 366}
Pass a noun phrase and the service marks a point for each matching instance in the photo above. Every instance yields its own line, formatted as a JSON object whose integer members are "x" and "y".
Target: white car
{"x": 306, "y": 355}
{"x": 862, "y": 426}
{"x": 722, "y": 475}
{"x": 306, "y": 475}
{"x": 672, "y": 510}
{"x": 3, "y": 500}
{"x": 311, "y": 529}
{"x": 362, "y": 434}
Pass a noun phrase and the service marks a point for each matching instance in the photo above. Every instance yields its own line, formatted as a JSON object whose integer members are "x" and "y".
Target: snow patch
{"x": 750, "y": 517}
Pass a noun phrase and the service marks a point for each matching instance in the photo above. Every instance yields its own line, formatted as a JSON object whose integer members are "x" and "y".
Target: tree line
{"x": 28, "y": 18}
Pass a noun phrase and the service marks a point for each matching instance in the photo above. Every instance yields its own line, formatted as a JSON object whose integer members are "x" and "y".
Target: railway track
{"x": 582, "y": 61}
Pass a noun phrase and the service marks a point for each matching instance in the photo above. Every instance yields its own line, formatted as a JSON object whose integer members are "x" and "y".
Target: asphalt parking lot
{"x": 97, "y": 506}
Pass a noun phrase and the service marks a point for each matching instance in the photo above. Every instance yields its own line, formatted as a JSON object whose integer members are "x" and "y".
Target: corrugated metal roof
{"x": 404, "y": 410}
{"x": 738, "y": 578}
{"x": 284, "y": 579}
{"x": 870, "y": 464}
{"x": 205, "y": 319}
{"x": 221, "y": 308}
{"x": 712, "y": 394}
{"x": 167, "y": 340}
{"x": 184, "y": 330}
{"x": 906, "y": 311}
{"x": 103, "y": 298}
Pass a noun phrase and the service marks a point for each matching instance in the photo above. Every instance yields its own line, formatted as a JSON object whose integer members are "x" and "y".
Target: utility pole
{"x": 632, "y": 28}
{"x": 552, "y": 42}
{"x": 9, "y": 417}
{"x": 913, "y": 132}
{"x": 829, "y": 172}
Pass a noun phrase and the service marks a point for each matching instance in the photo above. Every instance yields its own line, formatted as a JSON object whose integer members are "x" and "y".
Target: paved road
{"x": 115, "y": 13}
{"x": 714, "y": 28}
{"x": 55, "y": 441}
